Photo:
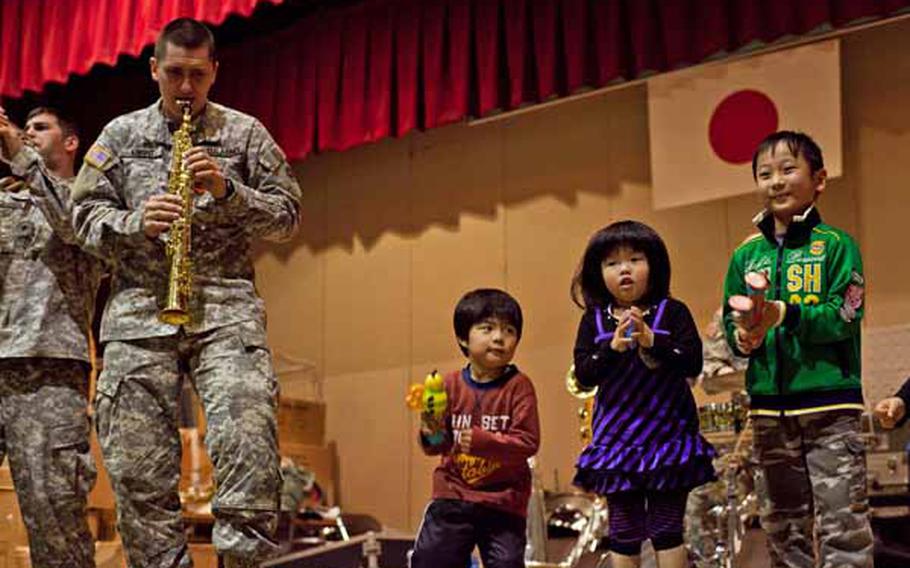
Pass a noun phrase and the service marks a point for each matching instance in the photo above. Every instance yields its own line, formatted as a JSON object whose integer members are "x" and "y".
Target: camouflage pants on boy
{"x": 815, "y": 475}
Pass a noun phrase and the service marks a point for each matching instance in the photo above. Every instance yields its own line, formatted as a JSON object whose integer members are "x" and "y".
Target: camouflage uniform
{"x": 46, "y": 306}
{"x": 223, "y": 350}
{"x": 815, "y": 477}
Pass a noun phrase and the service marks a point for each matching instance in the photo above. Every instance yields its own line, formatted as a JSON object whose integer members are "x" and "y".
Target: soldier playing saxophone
{"x": 245, "y": 191}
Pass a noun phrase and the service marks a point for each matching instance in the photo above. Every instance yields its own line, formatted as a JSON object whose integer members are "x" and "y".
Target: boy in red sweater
{"x": 490, "y": 429}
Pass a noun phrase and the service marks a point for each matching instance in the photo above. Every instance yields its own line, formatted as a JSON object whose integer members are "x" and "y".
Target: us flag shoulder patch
{"x": 99, "y": 157}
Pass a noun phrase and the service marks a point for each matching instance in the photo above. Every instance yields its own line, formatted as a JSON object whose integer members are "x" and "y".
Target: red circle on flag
{"x": 739, "y": 123}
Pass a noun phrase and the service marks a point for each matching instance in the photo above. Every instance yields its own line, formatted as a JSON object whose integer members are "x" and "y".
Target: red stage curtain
{"x": 44, "y": 41}
{"x": 360, "y": 71}
{"x": 349, "y": 75}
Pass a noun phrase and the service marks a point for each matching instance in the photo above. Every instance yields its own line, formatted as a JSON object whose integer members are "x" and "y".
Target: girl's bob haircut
{"x": 588, "y": 288}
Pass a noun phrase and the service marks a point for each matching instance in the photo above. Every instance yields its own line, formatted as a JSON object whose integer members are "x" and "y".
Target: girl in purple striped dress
{"x": 638, "y": 346}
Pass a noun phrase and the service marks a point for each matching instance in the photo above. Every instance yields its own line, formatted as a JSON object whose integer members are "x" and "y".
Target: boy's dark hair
{"x": 588, "y": 288}
{"x": 186, "y": 33}
{"x": 67, "y": 124}
{"x": 478, "y": 305}
{"x": 799, "y": 144}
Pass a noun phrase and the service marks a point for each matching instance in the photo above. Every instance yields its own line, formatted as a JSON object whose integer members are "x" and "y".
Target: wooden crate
{"x": 301, "y": 422}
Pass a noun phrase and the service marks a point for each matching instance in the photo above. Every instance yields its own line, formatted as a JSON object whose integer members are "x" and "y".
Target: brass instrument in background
{"x": 180, "y": 183}
{"x": 584, "y": 394}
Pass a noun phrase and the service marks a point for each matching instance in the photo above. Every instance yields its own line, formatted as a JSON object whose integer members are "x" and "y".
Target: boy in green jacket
{"x": 802, "y": 337}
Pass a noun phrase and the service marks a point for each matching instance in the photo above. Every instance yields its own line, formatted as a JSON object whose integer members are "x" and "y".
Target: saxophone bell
{"x": 575, "y": 388}
{"x": 585, "y": 396}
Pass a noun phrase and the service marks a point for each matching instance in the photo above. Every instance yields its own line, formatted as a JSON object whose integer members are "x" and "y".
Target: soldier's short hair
{"x": 67, "y": 124}
{"x": 186, "y": 33}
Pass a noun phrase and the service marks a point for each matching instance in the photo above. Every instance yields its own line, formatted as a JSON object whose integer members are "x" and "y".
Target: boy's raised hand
{"x": 890, "y": 411}
{"x": 750, "y": 337}
{"x": 753, "y": 315}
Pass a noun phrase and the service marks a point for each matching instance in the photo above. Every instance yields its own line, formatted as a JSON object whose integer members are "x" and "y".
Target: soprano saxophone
{"x": 180, "y": 183}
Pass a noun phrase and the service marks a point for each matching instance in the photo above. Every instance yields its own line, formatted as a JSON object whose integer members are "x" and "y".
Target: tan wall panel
{"x": 458, "y": 244}
{"x": 876, "y": 91}
{"x": 558, "y": 152}
{"x": 367, "y": 307}
{"x": 298, "y": 331}
{"x": 367, "y": 264}
{"x": 368, "y": 420}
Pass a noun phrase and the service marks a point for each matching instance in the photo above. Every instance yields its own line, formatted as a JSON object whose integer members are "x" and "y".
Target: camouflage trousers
{"x": 816, "y": 512}
{"x": 137, "y": 413}
{"x": 44, "y": 429}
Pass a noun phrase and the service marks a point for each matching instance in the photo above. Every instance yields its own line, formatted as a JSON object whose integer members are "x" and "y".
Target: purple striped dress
{"x": 645, "y": 424}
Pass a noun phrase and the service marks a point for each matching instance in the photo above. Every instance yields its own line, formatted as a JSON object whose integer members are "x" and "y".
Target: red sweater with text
{"x": 505, "y": 430}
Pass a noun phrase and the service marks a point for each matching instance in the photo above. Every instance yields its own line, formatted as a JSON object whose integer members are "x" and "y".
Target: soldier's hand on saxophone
{"x": 206, "y": 172}
{"x": 159, "y": 212}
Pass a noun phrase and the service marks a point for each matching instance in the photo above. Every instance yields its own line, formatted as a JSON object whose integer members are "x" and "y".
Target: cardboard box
{"x": 301, "y": 421}
{"x": 321, "y": 460}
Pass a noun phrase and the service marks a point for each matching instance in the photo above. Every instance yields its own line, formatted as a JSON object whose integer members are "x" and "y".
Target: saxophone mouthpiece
{"x": 186, "y": 107}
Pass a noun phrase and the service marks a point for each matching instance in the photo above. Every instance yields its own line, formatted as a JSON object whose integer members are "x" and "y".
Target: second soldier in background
{"x": 47, "y": 292}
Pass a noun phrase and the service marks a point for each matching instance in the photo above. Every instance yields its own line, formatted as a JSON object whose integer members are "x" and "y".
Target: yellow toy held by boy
{"x": 431, "y": 401}
{"x": 429, "y": 397}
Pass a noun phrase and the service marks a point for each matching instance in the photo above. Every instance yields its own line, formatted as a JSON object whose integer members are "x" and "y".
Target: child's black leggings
{"x": 639, "y": 515}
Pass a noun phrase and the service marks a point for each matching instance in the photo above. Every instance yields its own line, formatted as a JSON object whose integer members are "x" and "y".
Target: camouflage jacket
{"x": 49, "y": 283}
{"x": 129, "y": 163}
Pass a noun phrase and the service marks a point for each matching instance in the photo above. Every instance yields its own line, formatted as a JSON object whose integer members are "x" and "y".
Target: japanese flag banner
{"x": 705, "y": 123}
